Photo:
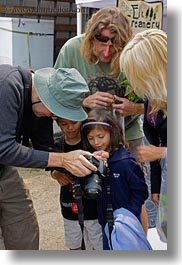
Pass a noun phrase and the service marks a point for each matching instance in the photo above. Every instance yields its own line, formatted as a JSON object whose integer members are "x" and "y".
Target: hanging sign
{"x": 142, "y": 15}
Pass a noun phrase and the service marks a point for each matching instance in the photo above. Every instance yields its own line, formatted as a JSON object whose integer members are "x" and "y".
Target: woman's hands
{"x": 148, "y": 153}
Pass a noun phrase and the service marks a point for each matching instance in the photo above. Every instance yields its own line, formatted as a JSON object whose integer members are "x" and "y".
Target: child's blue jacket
{"x": 128, "y": 187}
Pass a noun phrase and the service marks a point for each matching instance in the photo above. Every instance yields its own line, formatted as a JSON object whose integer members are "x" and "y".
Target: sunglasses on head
{"x": 103, "y": 38}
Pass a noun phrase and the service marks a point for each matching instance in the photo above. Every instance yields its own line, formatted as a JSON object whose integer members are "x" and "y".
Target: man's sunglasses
{"x": 103, "y": 38}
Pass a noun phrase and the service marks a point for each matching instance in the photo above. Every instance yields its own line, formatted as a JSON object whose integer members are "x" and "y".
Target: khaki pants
{"x": 18, "y": 220}
{"x": 1, "y": 241}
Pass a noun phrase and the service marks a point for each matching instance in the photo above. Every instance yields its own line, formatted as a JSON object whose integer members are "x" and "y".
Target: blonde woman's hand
{"x": 147, "y": 153}
{"x": 155, "y": 198}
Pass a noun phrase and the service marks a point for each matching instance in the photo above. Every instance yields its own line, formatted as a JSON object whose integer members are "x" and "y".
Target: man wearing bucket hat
{"x": 28, "y": 105}
{"x": 55, "y": 90}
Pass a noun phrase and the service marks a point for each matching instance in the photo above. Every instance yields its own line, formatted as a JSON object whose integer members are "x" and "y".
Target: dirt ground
{"x": 45, "y": 195}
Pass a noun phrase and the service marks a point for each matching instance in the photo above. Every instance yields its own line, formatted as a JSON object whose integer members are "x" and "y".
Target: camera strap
{"x": 110, "y": 218}
{"x": 78, "y": 199}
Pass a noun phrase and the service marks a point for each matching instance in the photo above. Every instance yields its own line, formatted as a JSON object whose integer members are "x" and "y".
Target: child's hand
{"x": 101, "y": 155}
{"x": 61, "y": 178}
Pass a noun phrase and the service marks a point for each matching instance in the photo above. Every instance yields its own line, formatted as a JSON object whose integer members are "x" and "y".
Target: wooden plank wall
{"x": 63, "y": 12}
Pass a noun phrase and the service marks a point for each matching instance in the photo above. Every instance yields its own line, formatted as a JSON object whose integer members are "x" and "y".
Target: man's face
{"x": 41, "y": 111}
{"x": 104, "y": 48}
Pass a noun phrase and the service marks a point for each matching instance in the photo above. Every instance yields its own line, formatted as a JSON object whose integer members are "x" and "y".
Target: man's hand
{"x": 98, "y": 99}
{"x": 126, "y": 107}
{"x": 73, "y": 161}
{"x": 147, "y": 153}
{"x": 77, "y": 164}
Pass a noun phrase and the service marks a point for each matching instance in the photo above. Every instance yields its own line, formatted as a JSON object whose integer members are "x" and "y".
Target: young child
{"x": 69, "y": 141}
{"x": 101, "y": 131}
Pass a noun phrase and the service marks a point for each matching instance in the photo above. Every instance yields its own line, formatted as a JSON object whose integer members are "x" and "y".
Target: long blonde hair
{"x": 144, "y": 61}
{"x": 114, "y": 20}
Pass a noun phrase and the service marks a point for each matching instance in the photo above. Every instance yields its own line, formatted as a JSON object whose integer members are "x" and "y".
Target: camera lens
{"x": 93, "y": 186}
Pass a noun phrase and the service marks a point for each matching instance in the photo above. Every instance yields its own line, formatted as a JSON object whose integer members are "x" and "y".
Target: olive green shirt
{"x": 98, "y": 78}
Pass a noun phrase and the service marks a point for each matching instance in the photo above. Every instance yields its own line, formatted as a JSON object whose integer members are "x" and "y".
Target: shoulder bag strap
{"x": 110, "y": 218}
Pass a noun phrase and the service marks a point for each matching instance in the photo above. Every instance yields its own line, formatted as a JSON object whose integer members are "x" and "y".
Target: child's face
{"x": 71, "y": 129}
{"x": 100, "y": 139}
